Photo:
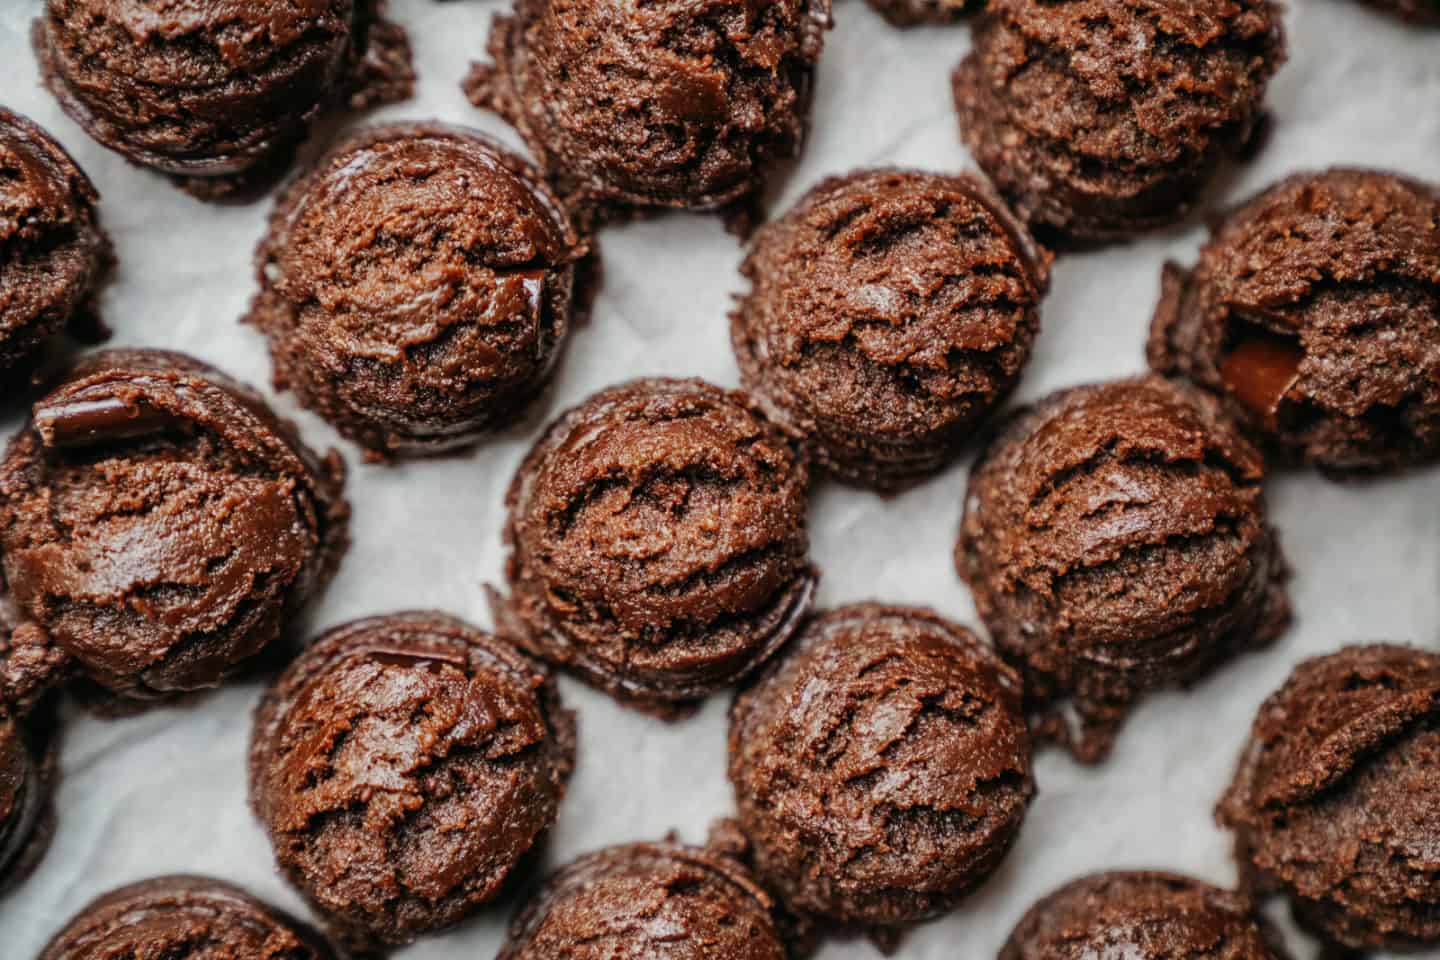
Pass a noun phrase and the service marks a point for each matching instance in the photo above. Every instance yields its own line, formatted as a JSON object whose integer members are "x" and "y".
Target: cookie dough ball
{"x": 1336, "y": 802}
{"x": 27, "y": 769}
{"x": 1315, "y": 312}
{"x": 217, "y": 95}
{"x": 159, "y": 524}
{"x": 1116, "y": 541}
{"x": 890, "y": 311}
{"x": 647, "y": 900}
{"x": 1142, "y": 916}
{"x": 1100, "y": 119}
{"x": 403, "y": 766}
{"x": 417, "y": 288}
{"x": 908, "y": 13}
{"x": 53, "y": 253}
{"x": 658, "y": 541}
{"x": 666, "y": 103}
{"x": 881, "y": 767}
{"x": 184, "y": 918}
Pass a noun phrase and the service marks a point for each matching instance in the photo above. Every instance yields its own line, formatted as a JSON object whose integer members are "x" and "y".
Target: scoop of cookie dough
{"x": 27, "y": 773}
{"x": 643, "y": 901}
{"x": 890, "y": 311}
{"x": 1314, "y": 311}
{"x": 53, "y": 253}
{"x": 666, "y": 103}
{"x": 159, "y": 524}
{"x": 1336, "y": 800}
{"x": 217, "y": 93}
{"x": 184, "y": 918}
{"x": 1099, "y": 119}
{"x": 881, "y": 767}
{"x": 403, "y": 766}
{"x": 1115, "y": 539}
{"x": 417, "y": 287}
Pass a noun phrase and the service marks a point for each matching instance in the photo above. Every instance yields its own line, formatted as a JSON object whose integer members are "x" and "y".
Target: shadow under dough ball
{"x": 1143, "y": 915}
{"x": 53, "y": 254}
{"x": 1315, "y": 312}
{"x": 184, "y": 918}
{"x": 909, "y": 13}
{"x": 658, "y": 545}
{"x": 403, "y": 766}
{"x": 216, "y": 93}
{"x": 27, "y": 775}
{"x": 1336, "y": 801}
{"x": 647, "y": 900}
{"x": 417, "y": 288}
{"x": 881, "y": 767}
{"x": 664, "y": 103}
{"x": 159, "y": 525}
{"x": 1115, "y": 540}
{"x": 1100, "y": 119}
{"x": 889, "y": 312}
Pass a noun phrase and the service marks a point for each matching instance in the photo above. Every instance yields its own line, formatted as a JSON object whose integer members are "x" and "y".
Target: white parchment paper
{"x": 166, "y": 791}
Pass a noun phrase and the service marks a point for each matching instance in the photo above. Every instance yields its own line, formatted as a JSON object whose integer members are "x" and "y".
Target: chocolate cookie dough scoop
{"x": 662, "y": 103}
{"x": 159, "y": 524}
{"x": 216, "y": 93}
{"x": 184, "y": 918}
{"x": 1142, "y": 916}
{"x": 881, "y": 768}
{"x": 1314, "y": 312}
{"x": 658, "y": 545}
{"x": 1099, "y": 119}
{"x": 890, "y": 311}
{"x": 644, "y": 901}
{"x": 27, "y": 772}
{"x": 1115, "y": 540}
{"x": 53, "y": 254}
{"x": 403, "y": 767}
{"x": 1336, "y": 801}
{"x": 417, "y": 288}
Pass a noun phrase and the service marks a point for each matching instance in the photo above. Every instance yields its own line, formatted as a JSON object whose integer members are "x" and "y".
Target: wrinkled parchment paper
{"x": 166, "y": 791}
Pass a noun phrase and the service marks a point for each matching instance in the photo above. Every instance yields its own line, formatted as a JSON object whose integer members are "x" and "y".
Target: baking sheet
{"x": 166, "y": 791}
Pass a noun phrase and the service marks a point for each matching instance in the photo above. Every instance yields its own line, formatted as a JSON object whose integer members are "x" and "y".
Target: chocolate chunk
{"x": 417, "y": 287}
{"x": 1100, "y": 119}
{"x": 184, "y": 918}
{"x": 53, "y": 254}
{"x": 1336, "y": 800}
{"x": 159, "y": 524}
{"x": 658, "y": 541}
{"x": 1143, "y": 916}
{"x": 1339, "y": 272}
{"x": 659, "y": 104}
{"x": 404, "y": 766}
{"x": 881, "y": 767}
{"x": 890, "y": 312}
{"x": 217, "y": 94}
{"x": 1115, "y": 539}
{"x": 647, "y": 900}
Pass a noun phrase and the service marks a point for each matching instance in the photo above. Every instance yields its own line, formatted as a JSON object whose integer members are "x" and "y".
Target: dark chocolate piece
{"x": 217, "y": 93}
{"x": 1115, "y": 540}
{"x": 1099, "y": 119}
{"x": 53, "y": 254}
{"x": 881, "y": 767}
{"x": 643, "y": 901}
{"x": 1314, "y": 311}
{"x": 658, "y": 541}
{"x": 1336, "y": 801}
{"x": 404, "y": 766}
{"x": 890, "y": 311}
{"x": 1143, "y": 916}
{"x": 417, "y": 288}
{"x": 159, "y": 525}
{"x": 659, "y": 104}
{"x": 184, "y": 918}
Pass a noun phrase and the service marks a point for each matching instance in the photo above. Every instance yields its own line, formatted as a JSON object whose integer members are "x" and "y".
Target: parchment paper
{"x": 166, "y": 791}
